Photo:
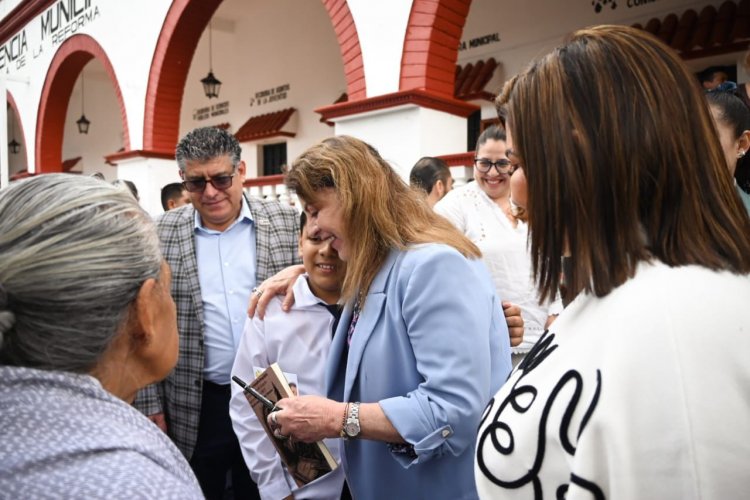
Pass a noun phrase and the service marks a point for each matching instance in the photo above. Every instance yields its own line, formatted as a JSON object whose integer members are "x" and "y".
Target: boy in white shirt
{"x": 298, "y": 341}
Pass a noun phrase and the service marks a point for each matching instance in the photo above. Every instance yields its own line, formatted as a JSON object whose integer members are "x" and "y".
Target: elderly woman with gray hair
{"x": 86, "y": 319}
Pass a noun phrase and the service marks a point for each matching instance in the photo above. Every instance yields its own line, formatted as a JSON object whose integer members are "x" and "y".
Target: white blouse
{"x": 644, "y": 393}
{"x": 504, "y": 252}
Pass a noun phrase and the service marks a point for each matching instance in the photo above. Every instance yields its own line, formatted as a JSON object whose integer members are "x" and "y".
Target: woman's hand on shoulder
{"x": 281, "y": 283}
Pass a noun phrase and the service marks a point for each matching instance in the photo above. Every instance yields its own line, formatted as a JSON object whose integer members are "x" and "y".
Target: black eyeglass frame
{"x": 507, "y": 166}
{"x": 199, "y": 185}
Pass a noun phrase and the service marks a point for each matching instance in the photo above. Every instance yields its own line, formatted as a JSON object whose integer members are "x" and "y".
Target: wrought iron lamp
{"x": 83, "y": 123}
{"x": 14, "y": 146}
{"x": 211, "y": 84}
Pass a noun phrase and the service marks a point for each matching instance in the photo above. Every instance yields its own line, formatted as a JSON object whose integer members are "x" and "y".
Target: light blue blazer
{"x": 431, "y": 346}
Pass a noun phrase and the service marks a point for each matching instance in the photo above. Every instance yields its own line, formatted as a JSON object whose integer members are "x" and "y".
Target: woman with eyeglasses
{"x": 483, "y": 212}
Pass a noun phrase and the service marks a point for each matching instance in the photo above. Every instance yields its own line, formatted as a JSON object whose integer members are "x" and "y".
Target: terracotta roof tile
{"x": 68, "y": 164}
{"x": 21, "y": 175}
{"x": 709, "y": 33}
{"x": 264, "y": 126}
{"x": 472, "y": 78}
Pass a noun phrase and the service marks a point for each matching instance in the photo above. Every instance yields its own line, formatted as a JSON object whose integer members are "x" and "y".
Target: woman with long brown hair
{"x": 639, "y": 389}
{"x": 422, "y": 343}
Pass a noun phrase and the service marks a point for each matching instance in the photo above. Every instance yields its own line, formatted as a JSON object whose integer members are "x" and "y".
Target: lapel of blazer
{"x": 336, "y": 367}
{"x": 186, "y": 244}
{"x": 262, "y": 226}
{"x": 369, "y": 317}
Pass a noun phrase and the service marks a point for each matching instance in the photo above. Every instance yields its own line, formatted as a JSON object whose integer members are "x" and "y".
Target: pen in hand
{"x": 270, "y": 405}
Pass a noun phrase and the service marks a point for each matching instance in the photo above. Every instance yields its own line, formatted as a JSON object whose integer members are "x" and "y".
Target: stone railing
{"x": 271, "y": 187}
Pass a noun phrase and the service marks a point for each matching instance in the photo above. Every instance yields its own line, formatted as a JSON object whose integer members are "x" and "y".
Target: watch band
{"x": 343, "y": 421}
{"x": 351, "y": 427}
{"x": 353, "y": 413}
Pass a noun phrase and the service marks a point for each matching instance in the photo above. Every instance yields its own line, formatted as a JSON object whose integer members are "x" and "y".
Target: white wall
{"x": 16, "y": 162}
{"x": 404, "y": 134}
{"x": 149, "y": 176}
{"x": 105, "y": 132}
{"x": 381, "y": 27}
{"x": 127, "y": 32}
{"x": 265, "y": 46}
{"x": 528, "y": 30}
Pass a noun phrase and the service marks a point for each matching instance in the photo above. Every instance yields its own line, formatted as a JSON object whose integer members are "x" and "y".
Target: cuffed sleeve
{"x": 448, "y": 309}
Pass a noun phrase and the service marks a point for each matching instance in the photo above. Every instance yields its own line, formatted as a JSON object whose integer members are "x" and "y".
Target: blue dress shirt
{"x": 226, "y": 272}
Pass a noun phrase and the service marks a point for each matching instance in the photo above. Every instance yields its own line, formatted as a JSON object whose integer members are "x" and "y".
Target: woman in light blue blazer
{"x": 422, "y": 343}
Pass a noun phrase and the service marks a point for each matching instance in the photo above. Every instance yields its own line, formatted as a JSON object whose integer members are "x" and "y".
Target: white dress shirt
{"x": 298, "y": 341}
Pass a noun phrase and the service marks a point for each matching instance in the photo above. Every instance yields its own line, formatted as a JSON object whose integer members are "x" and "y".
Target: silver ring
{"x": 258, "y": 292}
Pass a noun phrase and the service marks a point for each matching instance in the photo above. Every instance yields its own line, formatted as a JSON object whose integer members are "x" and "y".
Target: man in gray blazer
{"x": 219, "y": 248}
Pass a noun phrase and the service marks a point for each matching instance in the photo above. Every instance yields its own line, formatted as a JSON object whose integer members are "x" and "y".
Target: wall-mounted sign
{"x": 63, "y": 19}
{"x": 14, "y": 52}
{"x": 479, "y": 41}
{"x": 270, "y": 95}
{"x": 220, "y": 108}
{"x": 612, "y": 4}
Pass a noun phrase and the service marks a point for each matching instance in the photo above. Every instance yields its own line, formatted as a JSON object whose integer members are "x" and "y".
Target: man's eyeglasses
{"x": 502, "y": 166}
{"x": 220, "y": 182}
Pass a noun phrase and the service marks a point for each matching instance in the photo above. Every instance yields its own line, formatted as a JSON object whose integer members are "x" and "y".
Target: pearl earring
{"x": 740, "y": 153}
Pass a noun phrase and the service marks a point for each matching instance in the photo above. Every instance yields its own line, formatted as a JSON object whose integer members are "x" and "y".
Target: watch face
{"x": 351, "y": 429}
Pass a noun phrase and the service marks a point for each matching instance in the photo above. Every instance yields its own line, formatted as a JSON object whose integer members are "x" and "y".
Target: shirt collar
{"x": 303, "y": 295}
{"x": 245, "y": 215}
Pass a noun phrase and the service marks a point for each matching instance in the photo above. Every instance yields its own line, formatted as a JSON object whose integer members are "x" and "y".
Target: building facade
{"x": 412, "y": 77}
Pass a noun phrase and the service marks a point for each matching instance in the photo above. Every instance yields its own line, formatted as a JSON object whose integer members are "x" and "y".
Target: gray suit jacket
{"x": 179, "y": 395}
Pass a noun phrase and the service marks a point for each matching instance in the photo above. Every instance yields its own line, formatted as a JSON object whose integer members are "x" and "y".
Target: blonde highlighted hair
{"x": 381, "y": 212}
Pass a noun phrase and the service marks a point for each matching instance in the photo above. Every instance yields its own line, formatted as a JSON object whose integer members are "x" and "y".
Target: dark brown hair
{"x": 623, "y": 163}
{"x": 427, "y": 171}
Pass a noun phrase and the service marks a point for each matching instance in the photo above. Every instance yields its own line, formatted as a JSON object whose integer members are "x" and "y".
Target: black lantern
{"x": 211, "y": 84}
{"x": 83, "y": 123}
{"x": 14, "y": 146}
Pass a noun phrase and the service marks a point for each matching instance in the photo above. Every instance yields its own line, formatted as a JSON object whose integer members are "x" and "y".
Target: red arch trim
{"x": 63, "y": 71}
{"x": 431, "y": 45}
{"x": 177, "y": 42}
{"x": 351, "y": 52}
